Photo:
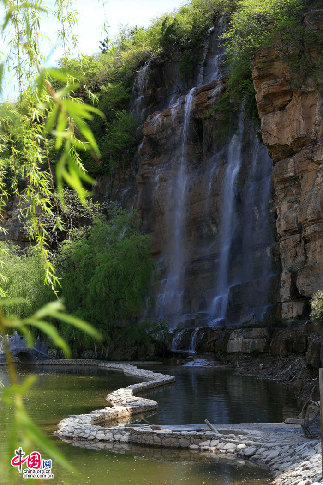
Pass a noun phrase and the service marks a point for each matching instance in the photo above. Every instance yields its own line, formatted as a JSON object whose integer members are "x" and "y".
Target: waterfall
{"x": 200, "y": 77}
{"x": 227, "y": 226}
{"x": 193, "y": 340}
{"x": 245, "y": 240}
{"x": 172, "y": 295}
{"x": 212, "y": 70}
{"x": 204, "y": 201}
{"x": 139, "y": 89}
{"x": 177, "y": 340}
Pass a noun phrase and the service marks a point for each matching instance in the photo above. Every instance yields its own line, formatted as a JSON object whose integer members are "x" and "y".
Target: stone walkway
{"x": 291, "y": 458}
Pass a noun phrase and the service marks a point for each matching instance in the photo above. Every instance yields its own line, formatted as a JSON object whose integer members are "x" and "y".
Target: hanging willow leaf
{"x": 51, "y": 332}
{"x": 33, "y": 433}
{"x": 9, "y": 393}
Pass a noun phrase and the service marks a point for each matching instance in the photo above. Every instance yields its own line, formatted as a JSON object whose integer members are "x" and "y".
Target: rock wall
{"x": 203, "y": 191}
{"x": 302, "y": 341}
{"x": 291, "y": 125}
{"x": 178, "y": 187}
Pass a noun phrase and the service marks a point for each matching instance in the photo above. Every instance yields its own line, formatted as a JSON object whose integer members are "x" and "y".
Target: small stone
{"x": 230, "y": 447}
{"x": 194, "y": 447}
{"x": 214, "y": 443}
{"x": 241, "y": 447}
{"x": 271, "y": 456}
{"x": 251, "y": 450}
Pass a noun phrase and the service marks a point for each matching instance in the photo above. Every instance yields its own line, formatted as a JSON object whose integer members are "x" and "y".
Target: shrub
{"x": 119, "y": 142}
{"x": 140, "y": 341}
{"x": 68, "y": 217}
{"x": 24, "y": 277}
{"x": 263, "y": 23}
{"x": 106, "y": 270}
{"x": 317, "y": 307}
{"x": 186, "y": 66}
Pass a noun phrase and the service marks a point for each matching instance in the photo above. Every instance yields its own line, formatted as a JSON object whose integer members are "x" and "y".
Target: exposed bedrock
{"x": 291, "y": 125}
{"x": 204, "y": 191}
{"x": 298, "y": 341}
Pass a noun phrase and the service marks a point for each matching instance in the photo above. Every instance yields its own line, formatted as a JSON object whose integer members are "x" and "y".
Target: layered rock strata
{"x": 292, "y": 129}
{"x": 302, "y": 341}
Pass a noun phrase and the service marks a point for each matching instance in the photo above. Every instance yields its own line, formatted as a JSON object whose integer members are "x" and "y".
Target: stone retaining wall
{"x": 291, "y": 458}
{"x": 124, "y": 403}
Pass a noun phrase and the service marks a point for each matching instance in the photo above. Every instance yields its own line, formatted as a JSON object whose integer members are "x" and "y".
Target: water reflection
{"x": 221, "y": 397}
{"x": 197, "y": 392}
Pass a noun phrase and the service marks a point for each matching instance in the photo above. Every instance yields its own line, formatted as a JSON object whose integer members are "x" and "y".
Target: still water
{"x": 198, "y": 393}
{"x": 221, "y": 397}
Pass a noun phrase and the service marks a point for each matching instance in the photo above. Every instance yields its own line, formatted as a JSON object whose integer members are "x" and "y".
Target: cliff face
{"x": 210, "y": 201}
{"x": 291, "y": 125}
{"x": 203, "y": 197}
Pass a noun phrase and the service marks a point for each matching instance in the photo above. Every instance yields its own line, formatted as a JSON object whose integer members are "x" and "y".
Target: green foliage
{"x": 23, "y": 429}
{"x": 40, "y": 113}
{"x": 106, "y": 271}
{"x": 170, "y": 34}
{"x": 68, "y": 217}
{"x": 24, "y": 278}
{"x": 114, "y": 98}
{"x": 186, "y": 66}
{"x": 119, "y": 142}
{"x": 256, "y": 24}
{"x": 317, "y": 307}
{"x": 140, "y": 341}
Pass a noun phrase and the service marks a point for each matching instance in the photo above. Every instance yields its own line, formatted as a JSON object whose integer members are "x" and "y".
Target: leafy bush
{"x": 141, "y": 341}
{"x": 186, "y": 66}
{"x": 24, "y": 278}
{"x": 65, "y": 218}
{"x": 317, "y": 307}
{"x": 256, "y": 24}
{"x": 120, "y": 142}
{"x": 106, "y": 270}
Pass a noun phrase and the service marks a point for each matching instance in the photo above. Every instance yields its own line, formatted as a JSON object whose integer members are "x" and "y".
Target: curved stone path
{"x": 291, "y": 458}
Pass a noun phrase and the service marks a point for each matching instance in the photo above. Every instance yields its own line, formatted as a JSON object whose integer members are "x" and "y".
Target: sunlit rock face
{"x": 291, "y": 125}
{"x": 203, "y": 193}
{"x": 233, "y": 241}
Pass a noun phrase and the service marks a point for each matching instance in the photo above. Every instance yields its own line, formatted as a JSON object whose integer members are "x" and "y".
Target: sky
{"x": 117, "y": 13}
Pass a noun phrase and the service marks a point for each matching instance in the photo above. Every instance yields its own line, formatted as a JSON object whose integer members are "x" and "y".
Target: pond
{"x": 198, "y": 393}
{"x": 220, "y": 396}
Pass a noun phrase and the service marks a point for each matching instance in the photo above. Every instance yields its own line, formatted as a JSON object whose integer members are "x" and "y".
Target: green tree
{"x": 106, "y": 272}
{"x": 40, "y": 113}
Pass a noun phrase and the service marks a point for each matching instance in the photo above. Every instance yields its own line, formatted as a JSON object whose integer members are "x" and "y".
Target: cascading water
{"x": 213, "y": 69}
{"x": 227, "y": 227}
{"x": 257, "y": 239}
{"x": 245, "y": 256}
{"x": 177, "y": 339}
{"x": 172, "y": 295}
{"x": 139, "y": 89}
{"x": 205, "y": 202}
{"x": 193, "y": 340}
